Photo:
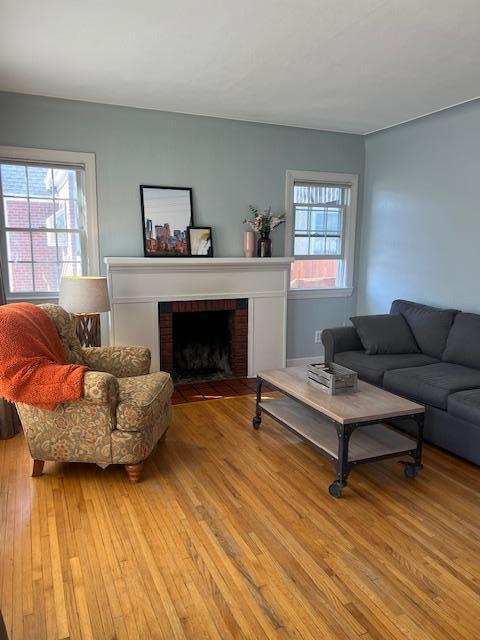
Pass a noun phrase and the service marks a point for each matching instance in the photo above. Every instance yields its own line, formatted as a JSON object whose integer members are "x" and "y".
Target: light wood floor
{"x": 232, "y": 534}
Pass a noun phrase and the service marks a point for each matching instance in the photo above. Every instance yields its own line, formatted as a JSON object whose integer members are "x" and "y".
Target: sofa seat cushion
{"x": 465, "y": 405}
{"x": 141, "y": 399}
{"x": 431, "y": 384}
{"x": 372, "y": 368}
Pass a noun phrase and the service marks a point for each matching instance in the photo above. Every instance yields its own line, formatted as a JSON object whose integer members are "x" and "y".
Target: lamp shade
{"x": 84, "y": 294}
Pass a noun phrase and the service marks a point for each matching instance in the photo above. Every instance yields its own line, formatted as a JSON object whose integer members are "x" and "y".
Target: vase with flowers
{"x": 263, "y": 222}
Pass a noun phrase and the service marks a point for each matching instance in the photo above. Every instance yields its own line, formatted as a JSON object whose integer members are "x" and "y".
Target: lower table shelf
{"x": 366, "y": 442}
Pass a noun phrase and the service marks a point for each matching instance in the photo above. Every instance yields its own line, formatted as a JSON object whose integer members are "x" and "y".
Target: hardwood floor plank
{"x": 57, "y": 577}
{"x": 81, "y": 600}
{"x": 232, "y": 534}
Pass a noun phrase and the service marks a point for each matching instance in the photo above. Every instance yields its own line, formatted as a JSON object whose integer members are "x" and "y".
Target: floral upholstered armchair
{"x": 125, "y": 410}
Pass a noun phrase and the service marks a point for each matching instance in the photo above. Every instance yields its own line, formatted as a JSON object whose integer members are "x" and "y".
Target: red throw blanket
{"x": 33, "y": 364}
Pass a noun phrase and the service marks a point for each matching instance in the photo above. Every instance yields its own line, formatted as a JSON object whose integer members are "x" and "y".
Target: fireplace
{"x": 138, "y": 285}
{"x": 204, "y": 339}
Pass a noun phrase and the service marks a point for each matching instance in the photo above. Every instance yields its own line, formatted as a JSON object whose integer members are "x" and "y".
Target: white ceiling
{"x": 343, "y": 65}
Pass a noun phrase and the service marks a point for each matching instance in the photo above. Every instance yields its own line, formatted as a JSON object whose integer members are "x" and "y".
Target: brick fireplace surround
{"x": 238, "y": 337}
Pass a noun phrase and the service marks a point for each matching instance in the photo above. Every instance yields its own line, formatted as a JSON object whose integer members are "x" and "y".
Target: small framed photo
{"x": 166, "y": 215}
{"x": 200, "y": 242}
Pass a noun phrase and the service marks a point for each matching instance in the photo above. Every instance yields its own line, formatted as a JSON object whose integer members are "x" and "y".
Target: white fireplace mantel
{"x": 138, "y": 285}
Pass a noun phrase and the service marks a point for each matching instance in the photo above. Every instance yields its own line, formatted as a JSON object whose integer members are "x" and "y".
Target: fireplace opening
{"x": 201, "y": 345}
{"x": 203, "y": 340}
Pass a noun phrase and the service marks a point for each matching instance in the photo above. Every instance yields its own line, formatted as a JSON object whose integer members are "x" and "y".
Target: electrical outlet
{"x": 318, "y": 336}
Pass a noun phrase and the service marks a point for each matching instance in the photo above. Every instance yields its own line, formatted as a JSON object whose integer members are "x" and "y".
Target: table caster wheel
{"x": 335, "y": 490}
{"x": 411, "y": 470}
{"x": 256, "y": 423}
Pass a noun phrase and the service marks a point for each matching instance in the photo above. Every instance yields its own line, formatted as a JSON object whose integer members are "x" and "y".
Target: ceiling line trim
{"x": 425, "y": 115}
{"x": 250, "y": 121}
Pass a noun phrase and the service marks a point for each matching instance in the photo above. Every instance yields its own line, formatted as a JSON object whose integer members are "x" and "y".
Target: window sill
{"x": 305, "y": 294}
{"x": 34, "y": 298}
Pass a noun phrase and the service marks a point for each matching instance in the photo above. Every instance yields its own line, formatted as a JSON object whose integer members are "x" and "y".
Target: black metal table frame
{"x": 344, "y": 431}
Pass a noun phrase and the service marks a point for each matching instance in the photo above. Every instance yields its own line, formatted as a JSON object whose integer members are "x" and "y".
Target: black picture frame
{"x": 191, "y": 241}
{"x": 155, "y": 245}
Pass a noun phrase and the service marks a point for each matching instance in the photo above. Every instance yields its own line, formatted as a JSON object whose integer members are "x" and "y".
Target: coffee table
{"x": 347, "y": 428}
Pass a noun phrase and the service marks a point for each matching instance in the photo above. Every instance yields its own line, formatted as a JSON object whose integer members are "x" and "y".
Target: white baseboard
{"x": 302, "y": 362}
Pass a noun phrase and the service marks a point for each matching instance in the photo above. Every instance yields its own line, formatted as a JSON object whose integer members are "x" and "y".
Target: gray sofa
{"x": 443, "y": 373}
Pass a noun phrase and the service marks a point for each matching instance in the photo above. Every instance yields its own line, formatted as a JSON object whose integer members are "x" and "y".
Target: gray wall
{"x": 421, "y": 221}
{"x": 228, "y": 163}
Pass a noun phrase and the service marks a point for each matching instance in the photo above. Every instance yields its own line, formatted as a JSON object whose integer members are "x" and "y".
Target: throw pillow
{"x": 385, "y": 334}
{"x": 463, "y": 344}
{"x": 430, "y": 326}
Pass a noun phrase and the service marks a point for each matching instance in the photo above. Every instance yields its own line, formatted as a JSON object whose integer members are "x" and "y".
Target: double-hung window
{"x": 320, "y": 232}
{"x": 44, "y": 220}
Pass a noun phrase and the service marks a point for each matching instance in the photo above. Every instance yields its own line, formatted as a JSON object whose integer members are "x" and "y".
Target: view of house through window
{"x": 43, "y": 230}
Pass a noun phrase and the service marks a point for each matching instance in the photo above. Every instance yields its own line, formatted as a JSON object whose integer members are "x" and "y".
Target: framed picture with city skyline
{"x": 166, "y": 214}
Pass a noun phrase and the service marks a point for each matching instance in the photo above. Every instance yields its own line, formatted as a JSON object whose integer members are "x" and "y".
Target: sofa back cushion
{"x": 384, "y": 334}
{"x": 430, "y": 326}
{"x": 463, "y": 344}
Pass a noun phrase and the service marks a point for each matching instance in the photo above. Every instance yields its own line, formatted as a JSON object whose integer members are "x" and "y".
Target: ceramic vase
{"x": 249, "y": 244}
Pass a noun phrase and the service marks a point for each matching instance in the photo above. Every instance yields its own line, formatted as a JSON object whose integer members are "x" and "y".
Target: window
{"x": 45, "y": 230}
{"x": 320, "y": 232}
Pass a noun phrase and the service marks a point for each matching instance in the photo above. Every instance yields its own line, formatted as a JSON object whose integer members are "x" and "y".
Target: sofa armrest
{"x": 100, "y": 387}
{"x": 340, "y": 339}
{"x": 121, "y": 362}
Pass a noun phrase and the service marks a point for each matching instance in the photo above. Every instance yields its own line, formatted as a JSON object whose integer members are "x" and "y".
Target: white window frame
{"x": 350, "y": 179}
{"x": 75, "y": 158}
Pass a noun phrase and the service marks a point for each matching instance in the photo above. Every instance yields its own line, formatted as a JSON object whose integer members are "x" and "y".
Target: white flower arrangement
{"x": 263, "y": 221}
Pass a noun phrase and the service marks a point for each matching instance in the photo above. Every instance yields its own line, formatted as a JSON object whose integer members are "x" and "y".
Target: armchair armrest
{"x": 78, "y": 430}
{"x": 100, "y": 388}
{"x": 121, "y": 362}
{"x": 340, "y": 339}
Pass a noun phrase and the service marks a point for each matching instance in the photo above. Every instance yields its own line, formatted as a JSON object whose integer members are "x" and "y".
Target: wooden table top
{"x": 366, "y": 404}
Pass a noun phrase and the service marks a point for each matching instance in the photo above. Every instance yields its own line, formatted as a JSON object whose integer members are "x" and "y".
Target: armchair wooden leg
{"x": 37, "y": 468}
{"x": 134, "y": 471}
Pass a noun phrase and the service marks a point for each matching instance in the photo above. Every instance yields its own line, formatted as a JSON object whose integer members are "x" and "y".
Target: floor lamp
{"x": 85, "y": 298}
